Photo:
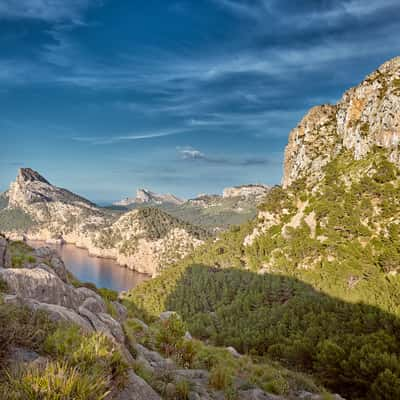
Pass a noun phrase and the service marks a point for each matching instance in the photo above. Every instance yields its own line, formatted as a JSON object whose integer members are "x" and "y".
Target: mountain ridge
{"x": 144, "y": 240}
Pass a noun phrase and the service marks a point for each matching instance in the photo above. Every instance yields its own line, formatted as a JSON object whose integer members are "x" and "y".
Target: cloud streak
{"x": 102, "y": 140}
{"x": 194, "y": 155}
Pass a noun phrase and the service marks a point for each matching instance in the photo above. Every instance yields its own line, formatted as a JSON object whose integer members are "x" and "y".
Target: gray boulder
{"x": 94, "y": 305}
{"x": 136, "y": 389}
{"x": 40, "y": 284}
{"x": 55, "y": 312}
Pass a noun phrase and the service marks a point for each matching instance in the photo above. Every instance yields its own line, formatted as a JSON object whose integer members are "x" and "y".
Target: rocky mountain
{"x": 147, "y": 197}
{"x": 210, "y": 211}
{"x": 314, "y": 280}
{"x": 368, "y": 115}
{"x": 146, "y": 240}
{"x": 30, "y": 187}
{"x": 214, "y": 212}
{"x": 60, "y": 339}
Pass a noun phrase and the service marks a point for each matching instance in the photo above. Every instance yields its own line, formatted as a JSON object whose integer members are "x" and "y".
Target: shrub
{"x": 93, "y": 353}
{"x": 170, "y": 332}
{"x": 185, "y": 352}
{"x": 20, "y": 254}
{"x": 56, "y": 381}
{"x": 108, "y": 294}
{"x": 182, "y": 389}
{"x": 220, "y": 377}
{"x": 22, "y": 327}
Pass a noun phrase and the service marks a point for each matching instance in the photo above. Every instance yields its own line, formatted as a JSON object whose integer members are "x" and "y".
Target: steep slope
{"x": 146, "y": 240}
{"x": 314, "y": 279}
{"x": 367, "y": 115}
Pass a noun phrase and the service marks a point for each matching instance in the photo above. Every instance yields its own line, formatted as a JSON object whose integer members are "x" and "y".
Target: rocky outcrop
{"x": 145, "y": 196}
{"x": 367, "y": 116}
{"x": 246, "y": 191}
{"x": 41, "y": 284}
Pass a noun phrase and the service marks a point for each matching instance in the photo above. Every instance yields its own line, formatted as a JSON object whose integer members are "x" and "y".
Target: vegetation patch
{"x": 20, "y": 254}
{"x": 57, "y": 380}
{"x": 15, "y": 219}
{"x": 327, "y": 300}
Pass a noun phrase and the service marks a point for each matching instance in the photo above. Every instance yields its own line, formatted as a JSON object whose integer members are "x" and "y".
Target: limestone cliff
{"x": 367, "y": 115}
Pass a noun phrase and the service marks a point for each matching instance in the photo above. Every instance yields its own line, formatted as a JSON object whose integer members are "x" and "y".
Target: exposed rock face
{"x": 311, "y": 145}
{"x": 145, "y": 196}
{"x": 40, "y": 284}
{"x": 367, "y": 115}
{"x": 246, "y": 191}
{"x": 30, "y": 187}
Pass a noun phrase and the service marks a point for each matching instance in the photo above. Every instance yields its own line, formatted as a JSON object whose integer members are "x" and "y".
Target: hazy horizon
{"x": 186, "y": 97}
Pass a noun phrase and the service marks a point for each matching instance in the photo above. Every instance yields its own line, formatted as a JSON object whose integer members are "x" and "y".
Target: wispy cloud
{"x": 330, "y": 10}
{"x": 191, "y": 154}
{"x": 46, "y": 10}
{"x": 100, "y": 140}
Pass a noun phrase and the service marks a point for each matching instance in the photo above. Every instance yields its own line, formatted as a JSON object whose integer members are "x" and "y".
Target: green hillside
{"x": 318, "y": 288}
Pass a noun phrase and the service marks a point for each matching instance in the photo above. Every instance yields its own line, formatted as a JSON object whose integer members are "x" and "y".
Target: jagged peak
{"x": 31, "y": 187}
{"x": 30, "y": 175}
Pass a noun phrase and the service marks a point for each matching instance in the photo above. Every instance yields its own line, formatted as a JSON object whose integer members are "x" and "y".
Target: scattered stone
{"x": 166, "y": 315}
{"x": 188, "y": 336}
{"x": 233, "y": 352}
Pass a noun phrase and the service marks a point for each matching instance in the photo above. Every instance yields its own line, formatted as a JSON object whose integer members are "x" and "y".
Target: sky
{"x": 105, "y": 96}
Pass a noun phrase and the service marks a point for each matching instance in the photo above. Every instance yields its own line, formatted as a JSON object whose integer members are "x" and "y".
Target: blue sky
{"x": 104, "y": 96}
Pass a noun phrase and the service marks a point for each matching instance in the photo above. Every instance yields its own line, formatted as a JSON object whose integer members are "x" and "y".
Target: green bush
{"x": 92, "y": 353}
{"x": 182, "y": 389}
{"x": 108, "y": 294}
{"x": 220, "y": 377}
{"x": 19, "y": 326}
{"x": 56, "y": 381}
{"x": 169, "y": 334}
